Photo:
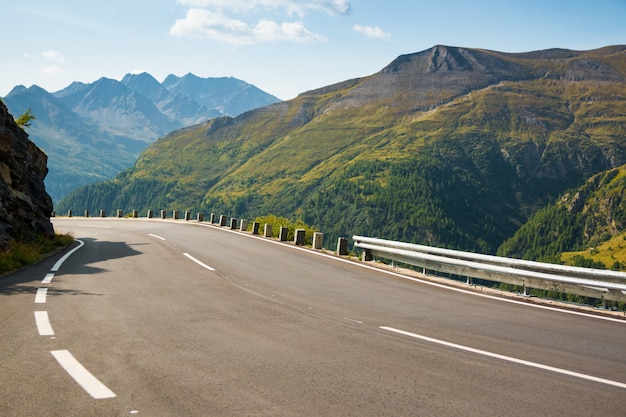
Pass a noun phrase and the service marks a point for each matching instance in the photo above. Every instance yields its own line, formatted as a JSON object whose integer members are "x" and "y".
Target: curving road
{"x": 164, "y": 318}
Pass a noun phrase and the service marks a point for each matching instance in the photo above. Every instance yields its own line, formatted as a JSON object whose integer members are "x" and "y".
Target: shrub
{"x": 23, "y": 252}
{"x": 278, "y": 221}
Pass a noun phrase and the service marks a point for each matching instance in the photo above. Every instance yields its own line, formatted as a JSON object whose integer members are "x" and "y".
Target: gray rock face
{"x": 25, "y": 205}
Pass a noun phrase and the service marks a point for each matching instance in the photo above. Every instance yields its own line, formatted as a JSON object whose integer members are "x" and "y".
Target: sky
{"x": 284, "y": 47}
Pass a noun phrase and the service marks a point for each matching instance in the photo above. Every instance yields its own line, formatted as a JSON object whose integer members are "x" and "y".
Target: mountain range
{"x": 93, "y": 131}
{"x": 453, "y": 147}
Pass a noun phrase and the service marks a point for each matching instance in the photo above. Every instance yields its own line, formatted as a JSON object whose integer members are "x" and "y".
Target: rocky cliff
{"x": 26, "y": 207}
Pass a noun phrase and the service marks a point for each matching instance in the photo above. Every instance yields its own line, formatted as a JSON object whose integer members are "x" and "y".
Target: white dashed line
{"x": 82, "y": 376}
{"x": 43, "y": 323}
{"x": 353, "y": 320}
{"x": 199, "y": 262}
{"x": 47, "y": 279}
{"x": 156, "y": 236}
{"x": 40, "y": 297}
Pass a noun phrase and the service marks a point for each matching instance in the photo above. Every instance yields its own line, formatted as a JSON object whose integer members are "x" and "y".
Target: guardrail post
{"x": 222, "y": 220}
{"x": 200, "y": 217}
{"x": 243, "y": 226}
{"x": 86, "y": 213}
{"x": 135, "y": 214}
{"x": 367, "y": 255}
{"x": 187, "y": 215}
{"x": 318, "y": 240}
{"x": 175, "y": 214}
{"x": 212, "y": 218}
{"x": 69, "y": 213}
{"x": 233, "y": 223}
{"x": 282, "y": 234}
{"x": 299, "y": 237}
{"x": 255, "y": 228}
{"x": 102, "y": 213}
{"x": 119, "y": 213}
{"x": 163, "y": 214}
{"x": 267, "y": 230}
{"x": 342, "y": 246}
{"x": 149, "y": 214}
{"x": 53, "y": 214}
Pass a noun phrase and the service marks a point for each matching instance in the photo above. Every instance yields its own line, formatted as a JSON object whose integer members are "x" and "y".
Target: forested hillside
{"x": 452, "y": 147}
{"x": 581, "y": 219}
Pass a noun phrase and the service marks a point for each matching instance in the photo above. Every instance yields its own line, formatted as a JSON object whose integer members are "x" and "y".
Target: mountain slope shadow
{"x": 27, "y": 280}
{"x": 95, "y": 251}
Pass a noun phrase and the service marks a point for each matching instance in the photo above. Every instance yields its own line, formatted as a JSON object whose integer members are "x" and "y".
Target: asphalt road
{"x": 163, "y": 318}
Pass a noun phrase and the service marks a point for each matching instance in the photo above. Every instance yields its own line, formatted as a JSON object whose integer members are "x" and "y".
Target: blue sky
{"x": 284, "y": 47}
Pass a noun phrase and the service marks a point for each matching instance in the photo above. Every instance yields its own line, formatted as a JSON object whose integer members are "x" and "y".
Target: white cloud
{"x": 243, "y": 22}
{"x": 53, "y": 56}
{"x": 372, "y": 32}
{"x": 52, "y": 70}
{"x": 205, "y": 24}
{"x": 269, "y": 31}
{"x": 200, "y": 23}
{"x": 293, "y": 7}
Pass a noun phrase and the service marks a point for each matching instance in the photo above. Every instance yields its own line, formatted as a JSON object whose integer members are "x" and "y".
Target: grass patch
{"x": 278, "y": 221}
{"x": 611, "y": 253}
{"x": 22, "y": 252}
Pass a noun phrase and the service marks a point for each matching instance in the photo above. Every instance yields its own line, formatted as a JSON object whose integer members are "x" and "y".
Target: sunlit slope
{"x": 450, "y": 146}
{"x": 585, "y": 222}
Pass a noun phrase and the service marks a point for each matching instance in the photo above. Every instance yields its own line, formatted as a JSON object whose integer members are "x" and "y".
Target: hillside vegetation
{"x": 608, "y": 255}
{"x": 589, "y": 223}
{"x": 452, "y": 147}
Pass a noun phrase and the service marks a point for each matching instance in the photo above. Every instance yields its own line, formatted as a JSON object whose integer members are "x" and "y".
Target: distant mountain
{"x": 93, "y": 131}
{"x": 79, "y": 150}
{"x": 228, "y": 95}
{"x": 177, "y": 106}
{"x": 453, "y": 147}
{"x": 117, "y": 109}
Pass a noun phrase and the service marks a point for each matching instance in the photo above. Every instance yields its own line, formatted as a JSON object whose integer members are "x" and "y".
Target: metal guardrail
{"x": 596, "y": 283}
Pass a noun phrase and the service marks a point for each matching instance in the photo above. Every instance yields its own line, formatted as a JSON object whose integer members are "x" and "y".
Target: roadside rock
{"x": 25, "y": 205}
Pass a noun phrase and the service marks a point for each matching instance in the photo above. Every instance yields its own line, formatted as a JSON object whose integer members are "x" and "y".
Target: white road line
{"x": 353, "y": 320}
{"x": 47, "y": 279}
{"x": 507, "y": 358}
{"x": 422, "y": 281}
{"x": 81, "y": 375}
{"x": 57, "y": 265}
{"x": 43, "y": 323}
{"x": 491, "y": 297}
{"x": 40, "y": 297}
{"x": 199, "y": 262}
{"x": 156, "y": 236}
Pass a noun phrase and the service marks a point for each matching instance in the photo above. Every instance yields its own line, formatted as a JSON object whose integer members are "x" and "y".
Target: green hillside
{"x": 585, "y": 227}
{"x": 452, "y": 147}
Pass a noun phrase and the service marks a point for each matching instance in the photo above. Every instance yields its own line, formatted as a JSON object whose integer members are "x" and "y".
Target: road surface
{"x": 175, "y": 318}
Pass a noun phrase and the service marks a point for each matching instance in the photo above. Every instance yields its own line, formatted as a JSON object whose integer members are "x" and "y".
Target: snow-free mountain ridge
{"x": 92, "y": 131}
